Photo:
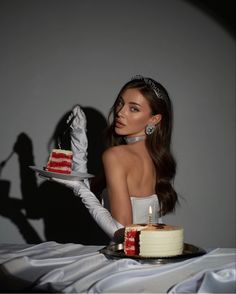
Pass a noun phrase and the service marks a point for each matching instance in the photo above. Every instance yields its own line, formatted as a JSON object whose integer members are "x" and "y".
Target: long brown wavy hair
{"x": 158, "y": 143}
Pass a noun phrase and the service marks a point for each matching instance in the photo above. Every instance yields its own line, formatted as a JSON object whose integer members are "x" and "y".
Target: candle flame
{"x": 150, "y": 215}
{"x": 150, "y": 209}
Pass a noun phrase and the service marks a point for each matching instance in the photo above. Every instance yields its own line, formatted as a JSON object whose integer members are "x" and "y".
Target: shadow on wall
{"x": 64, "y": 216}
{"x": 223, "y": 12}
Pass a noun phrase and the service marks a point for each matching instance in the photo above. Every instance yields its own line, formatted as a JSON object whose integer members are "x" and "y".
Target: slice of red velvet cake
{"x": 60, "y": 161}
{"x": 131, "y": 242}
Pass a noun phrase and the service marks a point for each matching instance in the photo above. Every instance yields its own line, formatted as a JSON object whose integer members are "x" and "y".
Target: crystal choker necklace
{"x": 129, "y": 140}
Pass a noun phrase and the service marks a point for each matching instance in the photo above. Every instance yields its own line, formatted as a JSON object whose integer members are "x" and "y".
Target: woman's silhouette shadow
{"x": 64, "y": 216}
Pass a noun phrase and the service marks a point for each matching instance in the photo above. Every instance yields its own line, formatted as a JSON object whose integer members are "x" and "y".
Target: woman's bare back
{"x": 138, "y": 168}
{"x": 141, "y": 175}
{"x": 129, "y": 172}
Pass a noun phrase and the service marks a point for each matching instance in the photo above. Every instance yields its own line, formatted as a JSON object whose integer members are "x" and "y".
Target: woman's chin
{"x": 119, "y": 132}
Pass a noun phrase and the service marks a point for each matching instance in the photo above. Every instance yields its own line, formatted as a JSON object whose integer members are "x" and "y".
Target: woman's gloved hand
{"x": 79, "y": 145}
{"x": 100, "y": 214}
{"x": 79, "y": 141}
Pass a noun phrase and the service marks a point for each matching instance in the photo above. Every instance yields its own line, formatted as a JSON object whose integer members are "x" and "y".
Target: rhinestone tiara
{"x": 149, "y": 83}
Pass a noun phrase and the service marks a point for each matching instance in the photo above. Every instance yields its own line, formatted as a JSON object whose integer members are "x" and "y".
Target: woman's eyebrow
{"x": 130, "y": 102}
{"x": 134, "y": 103}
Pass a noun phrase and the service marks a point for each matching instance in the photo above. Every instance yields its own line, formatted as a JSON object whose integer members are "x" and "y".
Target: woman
{"x": 138, "y": 164}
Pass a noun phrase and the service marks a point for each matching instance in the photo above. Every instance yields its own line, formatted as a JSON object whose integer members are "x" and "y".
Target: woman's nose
{"x": 121, "y": 111}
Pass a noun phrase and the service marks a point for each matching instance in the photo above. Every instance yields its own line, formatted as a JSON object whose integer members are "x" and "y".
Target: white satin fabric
{"x": 220, "y": 280}
{"x": 74, "y": 268}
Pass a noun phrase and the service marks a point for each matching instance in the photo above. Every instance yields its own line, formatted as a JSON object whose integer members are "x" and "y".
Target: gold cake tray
{"x": 116, "y": 251}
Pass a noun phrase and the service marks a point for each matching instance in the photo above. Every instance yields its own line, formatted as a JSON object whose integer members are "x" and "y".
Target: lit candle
{"x": 150, "y": 215}
{"x": 59, "y": 143}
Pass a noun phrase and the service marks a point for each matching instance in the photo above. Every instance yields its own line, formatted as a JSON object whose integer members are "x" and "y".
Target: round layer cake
{"x": 161, "y": 240}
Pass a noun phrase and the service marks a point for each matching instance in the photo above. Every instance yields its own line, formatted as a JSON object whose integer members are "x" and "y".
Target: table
{"x": 76, "y": 268}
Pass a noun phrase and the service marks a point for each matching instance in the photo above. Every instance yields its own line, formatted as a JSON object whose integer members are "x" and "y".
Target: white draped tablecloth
{"x": 75, "y": 268}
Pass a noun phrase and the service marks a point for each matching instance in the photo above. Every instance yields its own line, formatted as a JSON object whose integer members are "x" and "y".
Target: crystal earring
{"x": 150, "y": 128}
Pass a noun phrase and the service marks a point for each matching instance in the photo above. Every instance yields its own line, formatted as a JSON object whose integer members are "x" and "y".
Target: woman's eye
{"x": 134, "y": 109}
{"x": 119, "y": 103}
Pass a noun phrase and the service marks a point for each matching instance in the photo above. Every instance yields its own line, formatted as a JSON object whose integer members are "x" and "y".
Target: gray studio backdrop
{"x": 55, "y": 54}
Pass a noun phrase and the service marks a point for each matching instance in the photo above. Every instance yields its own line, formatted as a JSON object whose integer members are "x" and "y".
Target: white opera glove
{"x": 79, "y": 141}
{"x": 100, "y": 214}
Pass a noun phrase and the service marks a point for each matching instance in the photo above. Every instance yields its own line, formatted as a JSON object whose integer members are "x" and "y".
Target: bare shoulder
{"x": 116, "y": 154}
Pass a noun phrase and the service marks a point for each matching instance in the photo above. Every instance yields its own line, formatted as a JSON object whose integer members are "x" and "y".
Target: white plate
{"x": 73, "y": 176}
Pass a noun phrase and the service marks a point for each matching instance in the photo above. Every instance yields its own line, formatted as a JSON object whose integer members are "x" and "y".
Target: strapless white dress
{"x": 140, "y": 208}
